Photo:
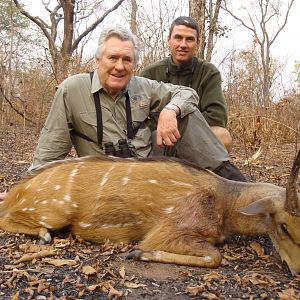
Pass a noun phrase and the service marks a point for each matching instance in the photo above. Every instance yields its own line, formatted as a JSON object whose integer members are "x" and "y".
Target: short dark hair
{"x": 186, "y": 21}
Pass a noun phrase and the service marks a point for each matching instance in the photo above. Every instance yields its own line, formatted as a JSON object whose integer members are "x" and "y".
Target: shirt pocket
{"x": 88, "y": 124}
{"x": 140, "y": 109}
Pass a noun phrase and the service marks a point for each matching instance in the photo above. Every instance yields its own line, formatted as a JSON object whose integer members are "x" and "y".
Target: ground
{"x": 69, "y": 268}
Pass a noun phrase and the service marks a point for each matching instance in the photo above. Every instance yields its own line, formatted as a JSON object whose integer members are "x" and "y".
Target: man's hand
{"x": 167, "y": 130}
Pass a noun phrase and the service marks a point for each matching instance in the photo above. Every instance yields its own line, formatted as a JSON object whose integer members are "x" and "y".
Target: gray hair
{"x": 123, "y": 34}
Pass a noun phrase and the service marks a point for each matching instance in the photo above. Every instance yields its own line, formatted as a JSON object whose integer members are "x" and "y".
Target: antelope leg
{"x": 211, "y": 260}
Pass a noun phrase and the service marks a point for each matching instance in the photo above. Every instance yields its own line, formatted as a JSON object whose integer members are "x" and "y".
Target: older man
{"x": 183, "y": 68}
{"x": 109, "y": 105}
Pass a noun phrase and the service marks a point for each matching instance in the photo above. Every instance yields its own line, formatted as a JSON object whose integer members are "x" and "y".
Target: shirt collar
{"x": 182, "y": 68}
{"x": 97, "y": 86}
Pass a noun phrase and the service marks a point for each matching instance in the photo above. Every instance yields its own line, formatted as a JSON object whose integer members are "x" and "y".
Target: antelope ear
{"x": 262, "y": 206}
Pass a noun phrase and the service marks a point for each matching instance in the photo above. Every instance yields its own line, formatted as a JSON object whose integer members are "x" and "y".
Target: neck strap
{"x": 130, "y": 131}
{"x": 193, "y": 67}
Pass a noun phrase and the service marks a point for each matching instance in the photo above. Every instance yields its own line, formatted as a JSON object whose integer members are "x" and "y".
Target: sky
{"x": 286, "y": 47}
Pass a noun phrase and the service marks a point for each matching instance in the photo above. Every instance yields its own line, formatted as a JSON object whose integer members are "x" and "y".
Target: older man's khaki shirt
{"x": 74, "y": 108}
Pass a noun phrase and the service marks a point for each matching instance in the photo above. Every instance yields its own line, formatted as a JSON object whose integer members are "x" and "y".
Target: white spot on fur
{"x": 207, "y": 258}
{"x": 132, "y": 224}
{"x": 38, "y": 190}
{"x": 154, "y": 181}
{"x": 22, "y": 201}
{"x": 43, "y": 218}
{"x": 57, "y": 187}
{"x": 74, "y": 171}
{"x": 157, "y": 254}
{"x": 180, "y": 183}
{"x": 168, "y": 210}
{"x": 74, "y": 205}
{"x": 61, "y": 202}
{"x": 84, "y": 225}
{"x": 54, "y": 200}
{"x": 125, "y": 180}
{"x": 45, "y": 182}
{"x": 44, "y": 202}
{"x": 45, "y": 224}
{"x": 25, "y": 209}
{"x": 28, "y": 186}
{"x": 106, "y": 226}
{"x": 105, "y": 177}
{"x": 31, "y": 209}
{"x": 67, "y": 198}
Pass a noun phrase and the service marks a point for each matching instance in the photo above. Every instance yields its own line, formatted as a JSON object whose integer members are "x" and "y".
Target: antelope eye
{"x": 284, "y": 228}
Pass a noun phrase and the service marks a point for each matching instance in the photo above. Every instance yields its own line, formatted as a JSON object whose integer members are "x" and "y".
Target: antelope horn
{"x": 291, "y": 203}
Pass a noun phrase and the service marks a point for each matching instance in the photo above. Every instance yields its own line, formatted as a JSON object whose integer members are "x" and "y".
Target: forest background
{"x": 45, "y": 42}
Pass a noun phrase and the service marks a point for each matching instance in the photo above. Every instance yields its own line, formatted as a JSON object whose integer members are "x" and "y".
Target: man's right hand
{"x": 167, "y": 130}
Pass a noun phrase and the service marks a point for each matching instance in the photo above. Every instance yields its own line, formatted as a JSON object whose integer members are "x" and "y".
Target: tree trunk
{"x": 61, "y": 55}
{"x": 133, "y": 21}
{"x": 197, "y": 12}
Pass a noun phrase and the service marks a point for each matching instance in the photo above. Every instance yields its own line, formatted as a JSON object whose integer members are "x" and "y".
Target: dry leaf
{"x": 42, "y": 286}
{"x": 195, "y": 290}
{"x": 210, "y": 296}
{"x": 94, "y": 286}
{"x": 61, "y": 243}
{"x": 15, "y": 296}
{"x": 32, "y": 256}
{"x": 122, "y": 272}
{"x": 88, "y": 270}
{"x": 212, "y": 275}
{"x": 289, "y": 294}
{"x": 258, "y": 249}
{"x": 113, "y": 293}
{"x": 254, "y": 158}
{"x": 133, "y": 285}
{"x": 60, "y": 262}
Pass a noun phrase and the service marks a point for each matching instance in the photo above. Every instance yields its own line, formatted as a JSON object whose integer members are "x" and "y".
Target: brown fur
{"x": 176, "y": 211}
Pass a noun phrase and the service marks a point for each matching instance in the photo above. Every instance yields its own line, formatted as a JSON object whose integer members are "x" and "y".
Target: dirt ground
{"x": 72, "y": 269}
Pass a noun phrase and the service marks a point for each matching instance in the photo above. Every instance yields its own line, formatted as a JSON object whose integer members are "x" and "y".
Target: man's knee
{"x": 223, "y": 135}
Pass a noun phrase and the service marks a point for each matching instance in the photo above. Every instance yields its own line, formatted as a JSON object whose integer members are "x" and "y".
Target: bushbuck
{"x": 177, "y": 212}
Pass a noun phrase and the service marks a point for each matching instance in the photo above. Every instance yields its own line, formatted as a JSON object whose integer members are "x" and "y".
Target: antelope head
{"x": 282, "y": 211}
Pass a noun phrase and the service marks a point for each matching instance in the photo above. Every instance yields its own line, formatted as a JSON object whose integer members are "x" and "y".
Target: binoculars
{"x": 122, "y": 151}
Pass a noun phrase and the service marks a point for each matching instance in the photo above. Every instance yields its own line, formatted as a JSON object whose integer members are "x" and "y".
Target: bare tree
{"x": 65, "y": 11}
{"x": 259, "y": 20}
{"x": 206, "y": 13}
{"x": 153, "y": 19}
{"x": 197, "y": 11}
{"x": 133, "y": 20}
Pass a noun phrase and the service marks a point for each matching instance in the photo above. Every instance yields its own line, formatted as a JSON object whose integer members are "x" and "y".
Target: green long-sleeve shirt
{"x": 74, "y": 108}
{"x": 205, "y": 80}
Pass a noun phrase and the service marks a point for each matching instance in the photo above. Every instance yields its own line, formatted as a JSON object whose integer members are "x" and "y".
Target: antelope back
{"x": 125, "y": 196}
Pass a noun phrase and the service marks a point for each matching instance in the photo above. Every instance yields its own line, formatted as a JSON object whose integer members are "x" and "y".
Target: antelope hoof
{"x": 45, "y": 237}
{"x": 135, "y": 254}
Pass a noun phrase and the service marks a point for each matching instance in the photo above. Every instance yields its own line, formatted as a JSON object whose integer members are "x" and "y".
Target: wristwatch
{"x": 173, "y": 107}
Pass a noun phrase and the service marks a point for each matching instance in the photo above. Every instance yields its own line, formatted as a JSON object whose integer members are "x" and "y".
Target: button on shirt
{"x": 74, "y": 108}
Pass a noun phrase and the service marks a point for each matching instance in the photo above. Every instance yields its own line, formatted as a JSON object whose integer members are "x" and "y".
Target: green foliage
{"x": 10, "y": 16}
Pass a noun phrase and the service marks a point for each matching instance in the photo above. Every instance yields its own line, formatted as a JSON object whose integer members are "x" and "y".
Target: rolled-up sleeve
{"x": 160, "y": 94}
{"x": 54, "y": 142}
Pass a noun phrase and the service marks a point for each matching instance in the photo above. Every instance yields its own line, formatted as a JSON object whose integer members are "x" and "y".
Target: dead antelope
{"x": 176, "y": 211}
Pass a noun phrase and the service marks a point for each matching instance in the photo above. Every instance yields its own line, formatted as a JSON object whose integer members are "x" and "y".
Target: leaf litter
{"x": 70, "y": 268}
